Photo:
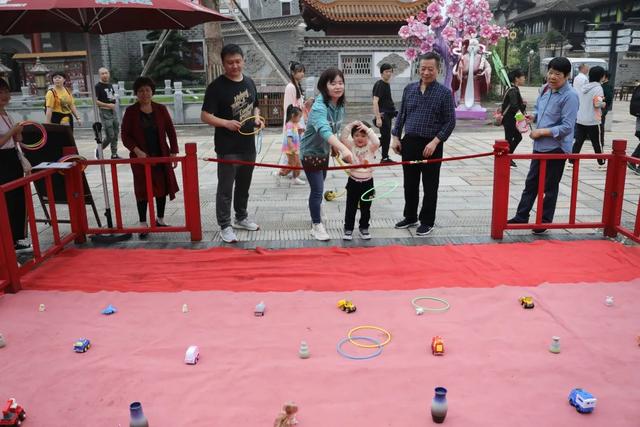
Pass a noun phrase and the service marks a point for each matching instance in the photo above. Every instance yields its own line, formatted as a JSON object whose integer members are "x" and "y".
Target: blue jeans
{"x": 316, "y": 184}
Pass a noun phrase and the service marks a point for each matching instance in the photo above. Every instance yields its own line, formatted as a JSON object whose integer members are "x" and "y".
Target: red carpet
{"x": 336, "y": 269}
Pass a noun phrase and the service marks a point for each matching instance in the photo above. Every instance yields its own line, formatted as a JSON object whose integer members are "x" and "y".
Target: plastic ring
{"x": 37, "y": 145}
{"x": 419, "y": 307}
{"x": 258, "y": 129}
{"x": 389, "y": 184}
{"x": 72, "y": 158}
{"x": 371, "y": 356}
{"x": 357, "y": 328}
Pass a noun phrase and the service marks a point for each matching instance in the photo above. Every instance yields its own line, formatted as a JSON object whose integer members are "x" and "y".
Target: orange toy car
{"x": 437, "y": 346}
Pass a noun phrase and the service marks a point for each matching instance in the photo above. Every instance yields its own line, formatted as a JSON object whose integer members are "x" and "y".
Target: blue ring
{"x": 348, "y": 356}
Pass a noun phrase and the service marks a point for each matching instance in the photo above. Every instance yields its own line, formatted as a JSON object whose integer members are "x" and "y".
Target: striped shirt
{"x": 428, "y": 115}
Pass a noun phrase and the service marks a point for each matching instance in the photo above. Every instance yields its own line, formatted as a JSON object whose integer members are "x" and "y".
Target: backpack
{"x": 634, "y": 104}
{"x": 55, "y": 96}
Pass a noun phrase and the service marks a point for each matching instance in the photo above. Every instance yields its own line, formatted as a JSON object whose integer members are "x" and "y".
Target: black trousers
{"x": 412, "y": 148}
{"x": 57, "y": 118}
{"x": 385, "y": 134}
{"x": 161, "y": 203}
{"x": 511, "y": 133}
{"x": 583, "y": 132}
{"x": 602, "y": 123}
{"x": 551, "y": 184}
{"x": 10, "y": 170}
{"x": 355, "y": 190}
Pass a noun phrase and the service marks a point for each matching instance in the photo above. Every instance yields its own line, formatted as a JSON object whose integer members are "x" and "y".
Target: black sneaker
{"x": 515, "y": 220}
{"x": 364, "y": 233}
{"x": 513, "y": 164}
{"x": 405, "y": 223}
{"x": 539, "y": 231}
{"x": 424, "y": 229}
{"x": 22, "y": 247}
{"x": 143, "y": 236}
{"x": 386, "y": 160}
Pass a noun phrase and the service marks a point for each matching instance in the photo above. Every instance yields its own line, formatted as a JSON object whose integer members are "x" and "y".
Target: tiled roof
{"x": 381, "y": 11}
{"x": 264, "y": 25}
{"x": 558, "y": 6}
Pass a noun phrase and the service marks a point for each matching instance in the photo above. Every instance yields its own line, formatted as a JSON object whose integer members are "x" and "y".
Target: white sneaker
{"x": 245, "y": 224}
{"x": 228, "y": 235}
{"x": 298, "y": 181}
{"x": 319, "y": 233}
{"x": 348, "y": 235}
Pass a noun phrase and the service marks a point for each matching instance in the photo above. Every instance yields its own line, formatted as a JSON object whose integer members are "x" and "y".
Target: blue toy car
{"x": 82, "y": 345}
{"x": 583, "y": 401}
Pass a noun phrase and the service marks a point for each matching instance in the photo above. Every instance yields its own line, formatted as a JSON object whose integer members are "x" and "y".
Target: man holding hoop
{"x": 231, "y": 106}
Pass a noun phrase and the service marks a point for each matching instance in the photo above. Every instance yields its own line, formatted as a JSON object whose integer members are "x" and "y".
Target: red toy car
{"x": 437, "y": 346}
{"x": 13, "y": 414}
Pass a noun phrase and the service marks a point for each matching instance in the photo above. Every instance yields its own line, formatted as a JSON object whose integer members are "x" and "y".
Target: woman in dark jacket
{"x": 146, "y": 126}
{"x": 511, "y": 104}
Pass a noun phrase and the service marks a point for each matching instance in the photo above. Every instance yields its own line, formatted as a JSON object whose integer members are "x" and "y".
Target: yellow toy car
{"x": 346, "y": 305}
{"x": 526, "y": 302}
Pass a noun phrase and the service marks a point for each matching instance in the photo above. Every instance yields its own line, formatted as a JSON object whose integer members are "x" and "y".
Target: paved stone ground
{"x": 464, "y": 205}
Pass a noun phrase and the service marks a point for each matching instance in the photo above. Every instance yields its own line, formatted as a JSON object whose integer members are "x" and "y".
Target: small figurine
{"x": 41, "y": 307}
{"x": 437, "y": 346}
{"x": 346, "y": 305}
{"x": 287, "y": 417}
{"x": 185, "y": 308}
{"x": 82, "y": 345}
{"x": 608, "y": 301}
{"x": 109, "y": 310}
{"x": 192, "y": 355}
{"x": 304, "y": 350}
{"x": 583, "y": 401}
{"x": 12, "y": 414}
{"x": 526, "y": 302}
{"x": 259, "y": 311}
{"x": 2, "y": 341}
{"x": 555, "y": 345}
{"x": 419, "y": 311}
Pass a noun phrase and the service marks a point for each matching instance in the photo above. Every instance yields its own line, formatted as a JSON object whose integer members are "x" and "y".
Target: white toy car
{"x": 192, "y": 355}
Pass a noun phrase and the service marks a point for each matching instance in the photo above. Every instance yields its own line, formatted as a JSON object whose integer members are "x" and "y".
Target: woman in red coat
{"x": 145, "y": 129}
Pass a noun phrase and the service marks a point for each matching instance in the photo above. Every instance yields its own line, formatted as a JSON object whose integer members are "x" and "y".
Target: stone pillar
{"x": 178, "y": 104}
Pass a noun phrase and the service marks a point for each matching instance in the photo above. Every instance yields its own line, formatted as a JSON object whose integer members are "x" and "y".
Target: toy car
{"x": 192, "y": 355}
{"x": 82, "y": 345}
{"x": 346, "y": 305}
{"x": 526, "y": 302}
{"x": 12, "y": 414}
{"x": 437, "y": 346}
{"x": 583, "y": 401}
{"x": 259, "y": 311}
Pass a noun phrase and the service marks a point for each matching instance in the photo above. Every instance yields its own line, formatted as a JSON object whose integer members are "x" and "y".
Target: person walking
{"x": 589, "y": 118}
{"x": 427, "y": 117}
{"x": 384, "y": 109}
{"x": 511, "y": 105}
{"x": 608, "y": 99}
{"x": 582, "y": 78}
{"x": 106, "y": 100}
{"x": 59, "y": 103}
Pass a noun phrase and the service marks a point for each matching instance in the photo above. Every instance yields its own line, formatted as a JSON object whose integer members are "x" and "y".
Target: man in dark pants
{"x": 107, "y": 108}
{"x": 608, "y": 99}
{"x": 384, "y": 109}
{"x": 229, "y": 101}
{"x": 555, "y": 114}
{"x": 427, "y": 116}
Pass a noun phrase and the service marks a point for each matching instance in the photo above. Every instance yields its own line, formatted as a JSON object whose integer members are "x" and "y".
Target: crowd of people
{"x": 314, "y": 130}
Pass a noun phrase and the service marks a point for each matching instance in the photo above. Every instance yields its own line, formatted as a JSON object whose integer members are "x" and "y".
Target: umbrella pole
{"x": 97, "y": 128}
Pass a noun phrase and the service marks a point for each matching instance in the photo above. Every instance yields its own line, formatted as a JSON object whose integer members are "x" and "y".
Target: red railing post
{"x": 192, "y": 192}
{"x": 8, "y": 251}
{"x": 501, "y": 175}
{"x": 614, "y": 188}
{"x": 75, "y": 197}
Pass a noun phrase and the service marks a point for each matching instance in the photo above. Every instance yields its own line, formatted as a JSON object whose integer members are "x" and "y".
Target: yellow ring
{"x": 258, "y": 129}
{"x": 357, "y": 328}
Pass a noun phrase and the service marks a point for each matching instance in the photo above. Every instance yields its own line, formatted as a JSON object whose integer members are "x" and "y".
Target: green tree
{"x": 168, "y": 64}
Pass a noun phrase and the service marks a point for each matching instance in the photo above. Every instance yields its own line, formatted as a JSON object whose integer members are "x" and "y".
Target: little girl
{"x": 363, "y": 145}
{"x": 291, "y": 144}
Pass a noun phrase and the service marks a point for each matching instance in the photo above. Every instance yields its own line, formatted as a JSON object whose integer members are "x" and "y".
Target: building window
{"x": 356, "y": 65}
{"x": 286, "y": 8}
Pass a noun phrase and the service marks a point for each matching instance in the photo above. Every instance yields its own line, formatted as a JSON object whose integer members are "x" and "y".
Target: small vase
{"x": 137, "y": 417}
{"x": 439, "y": 405}
{"x": 555, "y": 345}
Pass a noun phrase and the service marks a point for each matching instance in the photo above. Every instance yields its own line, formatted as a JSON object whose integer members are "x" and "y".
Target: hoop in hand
{"x": 257, "y": 129}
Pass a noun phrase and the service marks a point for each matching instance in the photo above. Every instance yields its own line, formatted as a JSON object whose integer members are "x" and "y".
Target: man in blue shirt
{"x": 555, "y": 114}
{"x": 428, "y": 117}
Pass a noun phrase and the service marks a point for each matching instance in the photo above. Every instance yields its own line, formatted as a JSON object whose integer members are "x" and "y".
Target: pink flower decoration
{"x": 419, "y": 30}
{"x": 454, "y": 10}
{"x": 433, "y": 10}
{"x": 405, "y": 32}
{"x": 437, "y": 22}
{"x": 411, "y": 54}
{"x": 486, "y": 31}
{"x": 426, "y": 47}
{"x": 422, "y": 16}
{"x": 468, "y": 3}
{"x": 449, "y": 33}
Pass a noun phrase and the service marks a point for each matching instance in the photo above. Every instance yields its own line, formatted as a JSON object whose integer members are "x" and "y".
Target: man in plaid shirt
{"x": 427, "y": 115}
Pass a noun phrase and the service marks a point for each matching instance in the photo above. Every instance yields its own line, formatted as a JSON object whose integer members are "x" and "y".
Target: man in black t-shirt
{"x": 107, "y": 107}
{"x": 229, "y": 101}
{"x": 384, "y": 109}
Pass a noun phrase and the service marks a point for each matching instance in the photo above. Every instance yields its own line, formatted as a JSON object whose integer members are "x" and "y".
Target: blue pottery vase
{"x": 137, "y": 417}
{"x": 439, "y": 405}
